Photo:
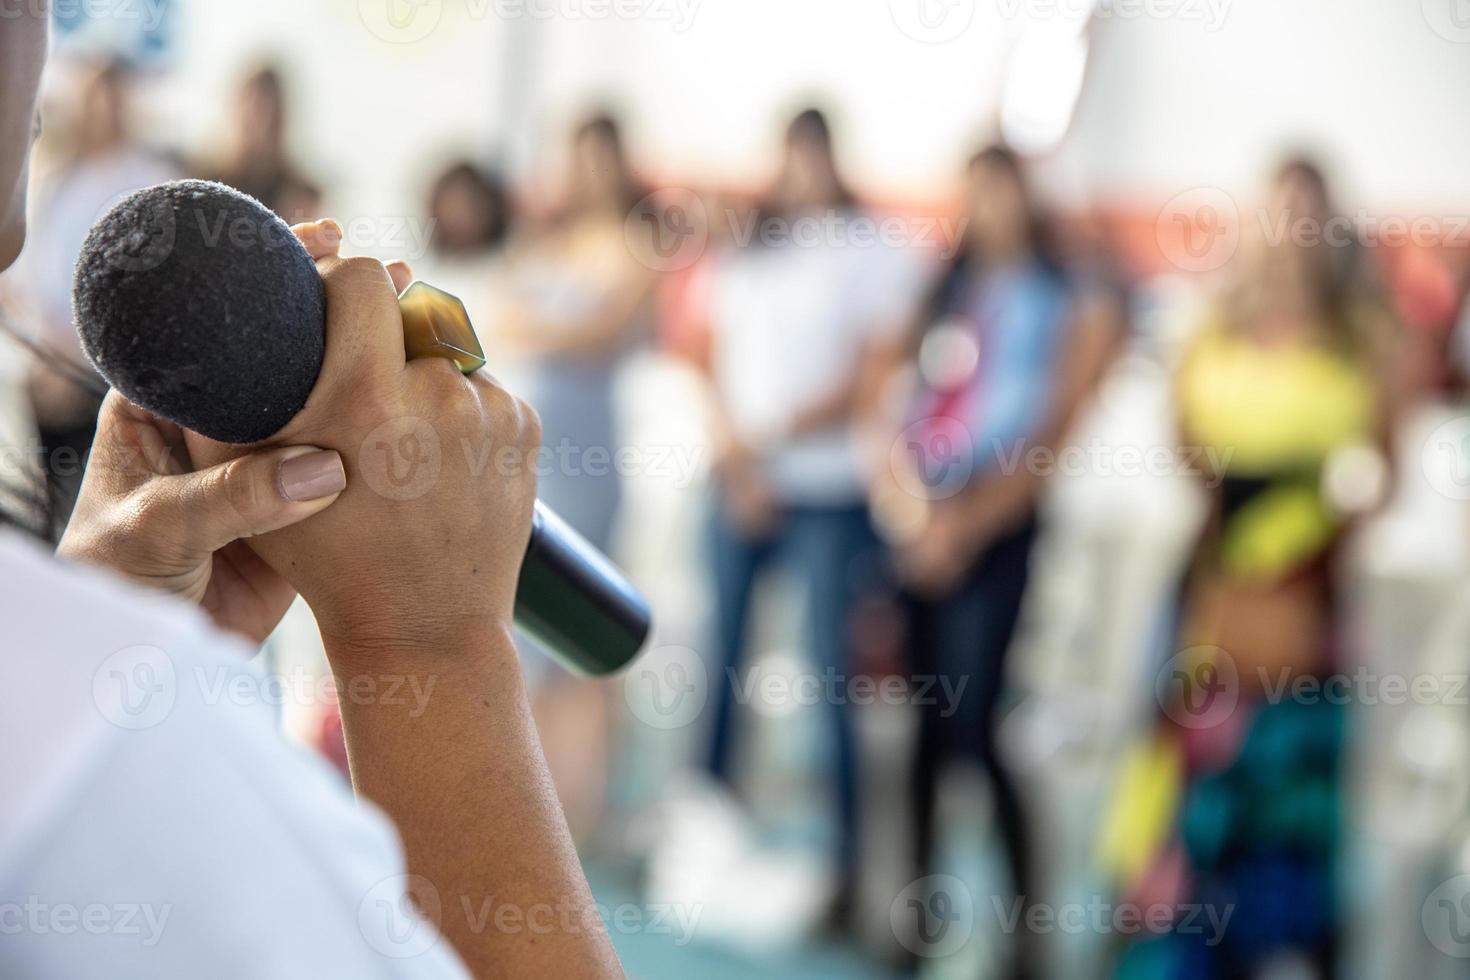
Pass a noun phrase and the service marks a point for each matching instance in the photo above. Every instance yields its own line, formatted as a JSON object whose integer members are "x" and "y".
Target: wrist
{"x": 459, "y": 645}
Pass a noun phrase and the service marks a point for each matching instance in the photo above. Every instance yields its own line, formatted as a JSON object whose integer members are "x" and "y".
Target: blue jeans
{"x": 829, "y": 549}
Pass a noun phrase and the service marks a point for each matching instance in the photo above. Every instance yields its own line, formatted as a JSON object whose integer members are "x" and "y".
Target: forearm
{"x": 830, "y": 411}
{"x": 454, "y": 760}
{"x": 860, "y": 398}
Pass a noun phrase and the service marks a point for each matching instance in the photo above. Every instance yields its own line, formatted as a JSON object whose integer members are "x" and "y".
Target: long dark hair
{"x": 809, "y": 125}
{"x": 1344, "y": 290}
{"x": 603, "y": 127}
{"x": 493, "y": 195}
{"x": 967, "y": 263}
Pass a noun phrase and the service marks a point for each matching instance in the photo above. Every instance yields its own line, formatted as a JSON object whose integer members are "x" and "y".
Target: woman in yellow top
{"x": 1285, "y": 386}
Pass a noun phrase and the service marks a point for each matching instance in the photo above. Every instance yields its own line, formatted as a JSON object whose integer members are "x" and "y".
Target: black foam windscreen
{"x": 199, "y": 304}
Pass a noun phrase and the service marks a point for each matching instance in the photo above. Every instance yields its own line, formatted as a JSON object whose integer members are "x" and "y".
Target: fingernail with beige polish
{"x": 312, "y": 476}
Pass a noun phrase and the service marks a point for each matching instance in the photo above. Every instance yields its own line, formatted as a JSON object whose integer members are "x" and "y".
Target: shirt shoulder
{"x": 152, "y": 787}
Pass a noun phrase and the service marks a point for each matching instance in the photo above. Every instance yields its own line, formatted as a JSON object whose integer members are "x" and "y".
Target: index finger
{"x": 323, "y": 239}
{"x": 364, "y": 322}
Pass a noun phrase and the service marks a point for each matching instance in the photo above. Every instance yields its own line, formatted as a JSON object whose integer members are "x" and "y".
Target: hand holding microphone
{"x": 147, "y": 512}
{"x": 439, "y": 559}
{"x": 194, "y": 302}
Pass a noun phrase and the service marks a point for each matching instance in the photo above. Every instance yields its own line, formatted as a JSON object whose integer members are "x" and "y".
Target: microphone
{"x": 199, "y": 304}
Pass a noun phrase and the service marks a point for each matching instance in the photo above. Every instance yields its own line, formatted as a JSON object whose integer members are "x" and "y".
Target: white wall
{"x": 1171, "y": 102}
{"x": 1367, "y": 82}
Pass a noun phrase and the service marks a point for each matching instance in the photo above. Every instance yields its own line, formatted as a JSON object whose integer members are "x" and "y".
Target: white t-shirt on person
{"x": 790, "y": 322}
{"x": 154, "y": 821}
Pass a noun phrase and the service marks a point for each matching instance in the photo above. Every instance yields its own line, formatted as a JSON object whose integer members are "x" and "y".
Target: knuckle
{"x": 236, "y": 484}
{"x": 351, "y": 278}
{"x": 364, "y": 267}
{"x": 503, "y": 413}
{"x": 530, "y": 423}
{"x": 452, "y": 378}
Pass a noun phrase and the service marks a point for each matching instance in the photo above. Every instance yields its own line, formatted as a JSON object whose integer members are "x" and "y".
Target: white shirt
{"x": 790, "y": 323}
{"x": 155, "y": 823}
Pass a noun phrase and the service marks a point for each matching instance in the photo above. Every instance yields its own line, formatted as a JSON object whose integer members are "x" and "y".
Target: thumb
{"x": 249, "y": 495}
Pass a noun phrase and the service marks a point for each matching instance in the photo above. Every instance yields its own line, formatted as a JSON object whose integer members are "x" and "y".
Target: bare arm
{"x": 417, "y": 586}
{"x": 849, "y": 401}
{"x": 467, "y": 785}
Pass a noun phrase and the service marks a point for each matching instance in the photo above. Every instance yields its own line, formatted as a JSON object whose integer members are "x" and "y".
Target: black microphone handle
{"x": 570, "y": 597}
{"x": 576, "y": 602}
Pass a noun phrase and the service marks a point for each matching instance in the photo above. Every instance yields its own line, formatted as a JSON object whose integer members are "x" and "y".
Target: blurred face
{"x": 999, "y": 222}
{"x": 23, "y": 37}
{"x": 260, "y": 118}
{"x": 810, "y": 174}
{"x": 462, "y": 215}
{"x": 1297, "y": 197}
{"x": 1290, "y": 282}
{"x": 597, "y": 171}
{"x": 102, "y": 111}
{"x": 1289, "y": 271}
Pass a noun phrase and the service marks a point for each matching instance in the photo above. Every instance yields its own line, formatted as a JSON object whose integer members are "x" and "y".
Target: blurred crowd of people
{"x": 874, "y": 413}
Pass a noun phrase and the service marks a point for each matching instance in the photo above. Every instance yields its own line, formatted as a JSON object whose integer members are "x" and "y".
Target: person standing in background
{"x": 570, "y": 302}
{"x": 97, "y": 158}
{"x": 1010, "y": 346}
{"x": 578, "y": 300}
{"x": 1293, "y": 374}
{"x": 799, "y": 314}
{"x": 258, "y": 160}
{"x": 470, "y": 221}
